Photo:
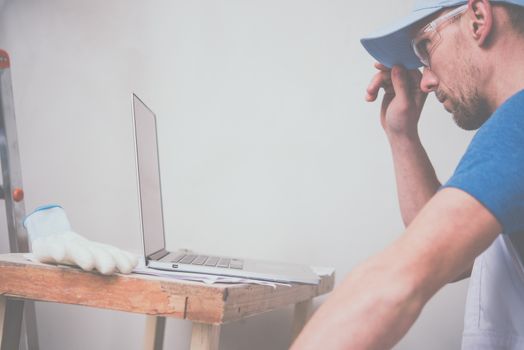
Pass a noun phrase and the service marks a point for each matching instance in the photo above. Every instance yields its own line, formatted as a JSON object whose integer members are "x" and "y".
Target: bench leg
{"x": 301, "y": 316}
{"x": 3, "y": 305}
{"x": 155, "y": 328}
{"x": 205, "y": 336}
{"x": 11, "y": 313}
{"x": 29, "y": 326}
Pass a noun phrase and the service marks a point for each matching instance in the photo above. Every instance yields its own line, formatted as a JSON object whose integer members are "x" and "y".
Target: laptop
{"x": 152, "y": 220}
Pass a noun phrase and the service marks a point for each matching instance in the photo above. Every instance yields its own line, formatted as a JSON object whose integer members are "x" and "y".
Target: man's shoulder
{"x": 506, "y": 121}
{"x": 513, "y": 105}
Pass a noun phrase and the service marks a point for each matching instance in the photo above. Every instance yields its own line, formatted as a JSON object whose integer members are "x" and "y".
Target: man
{"x": 473, "y": 57}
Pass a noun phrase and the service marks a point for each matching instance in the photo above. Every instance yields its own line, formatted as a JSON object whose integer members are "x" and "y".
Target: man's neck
{"x": 506, "y": 72}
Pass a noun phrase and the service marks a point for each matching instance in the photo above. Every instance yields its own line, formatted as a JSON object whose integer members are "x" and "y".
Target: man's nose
{"x": 429, "y": 81}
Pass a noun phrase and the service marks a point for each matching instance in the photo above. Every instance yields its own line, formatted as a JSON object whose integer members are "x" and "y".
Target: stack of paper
{"x": 210, "y": 279}
{"x": 202, "y": 277}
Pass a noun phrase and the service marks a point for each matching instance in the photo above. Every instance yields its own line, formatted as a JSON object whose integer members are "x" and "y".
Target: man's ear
{"x": 480, "y": 20}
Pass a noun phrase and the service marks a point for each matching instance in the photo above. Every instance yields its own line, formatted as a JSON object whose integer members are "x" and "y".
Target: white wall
{"x": 267, "y": 146}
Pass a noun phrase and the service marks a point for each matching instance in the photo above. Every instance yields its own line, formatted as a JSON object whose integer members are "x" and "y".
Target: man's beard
{"x": 469, "y": 110}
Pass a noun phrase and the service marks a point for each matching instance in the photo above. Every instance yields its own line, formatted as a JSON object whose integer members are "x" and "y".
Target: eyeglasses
{"x": 428, "y": 37}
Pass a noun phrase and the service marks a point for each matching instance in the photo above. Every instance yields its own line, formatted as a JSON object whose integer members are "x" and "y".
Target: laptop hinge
{"x": 158, "y": 255}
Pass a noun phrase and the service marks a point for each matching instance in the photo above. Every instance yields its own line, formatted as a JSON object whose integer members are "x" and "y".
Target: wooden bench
{"x": 206, "y": 306}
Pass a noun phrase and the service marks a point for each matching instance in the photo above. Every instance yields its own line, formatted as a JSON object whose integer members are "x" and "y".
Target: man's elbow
{"x": 463, "y": 275}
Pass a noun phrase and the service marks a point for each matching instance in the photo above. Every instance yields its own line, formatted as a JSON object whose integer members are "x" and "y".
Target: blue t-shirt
{"x": 492, "y": 169}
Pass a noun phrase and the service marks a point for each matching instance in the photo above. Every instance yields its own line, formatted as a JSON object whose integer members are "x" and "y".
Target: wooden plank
{"x": 252, "y": 300}
{"x": 204, "y": 303}
{"x": 73, "y": 286}
{"x": 199, "y": 302}
{"x": 205, "y": 336}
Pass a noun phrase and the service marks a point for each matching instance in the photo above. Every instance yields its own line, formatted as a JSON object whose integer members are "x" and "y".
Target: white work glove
{"x": 53, "y": 241}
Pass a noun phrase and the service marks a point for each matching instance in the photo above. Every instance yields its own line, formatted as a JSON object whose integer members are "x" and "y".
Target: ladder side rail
{"x": 12, "y": 193}
{"x": 10, "y": 161}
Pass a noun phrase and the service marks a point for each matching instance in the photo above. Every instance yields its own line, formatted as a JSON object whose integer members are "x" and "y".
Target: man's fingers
{"x": 415, "y": 77}
{"x": 397, "y": 81}
{"x": 380, "y": 80}
{"x": 401, "y": 82}
{"x": 415, "y": 74}
{"x": 381, "y": 67}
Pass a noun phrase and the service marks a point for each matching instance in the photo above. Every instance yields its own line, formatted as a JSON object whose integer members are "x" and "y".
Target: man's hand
{"x": 403, "y": 100}
{"x": 400, "y": 112}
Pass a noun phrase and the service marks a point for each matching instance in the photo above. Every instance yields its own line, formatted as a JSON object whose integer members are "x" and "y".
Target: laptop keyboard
{"x": 212, "y": 261}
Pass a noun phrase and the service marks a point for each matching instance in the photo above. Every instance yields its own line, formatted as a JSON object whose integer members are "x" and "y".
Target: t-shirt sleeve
{"x": 492, "y": 169}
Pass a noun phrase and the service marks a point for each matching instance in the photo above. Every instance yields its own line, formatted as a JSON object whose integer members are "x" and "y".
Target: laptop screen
{"x": 148, "y": 170}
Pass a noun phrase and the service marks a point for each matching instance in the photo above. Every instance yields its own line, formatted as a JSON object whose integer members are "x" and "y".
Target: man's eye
{"x": 423, "y": 46}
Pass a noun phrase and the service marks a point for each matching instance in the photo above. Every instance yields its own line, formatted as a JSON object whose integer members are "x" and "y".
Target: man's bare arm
{"x": 379, "y": 300}
{"x": 416, "y": 180}
{"x": 399, "y": 115}
{"x": 402, "y": 104}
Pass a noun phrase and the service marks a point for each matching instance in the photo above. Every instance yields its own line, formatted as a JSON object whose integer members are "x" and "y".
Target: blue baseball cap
{"x": 392, "y": 44}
